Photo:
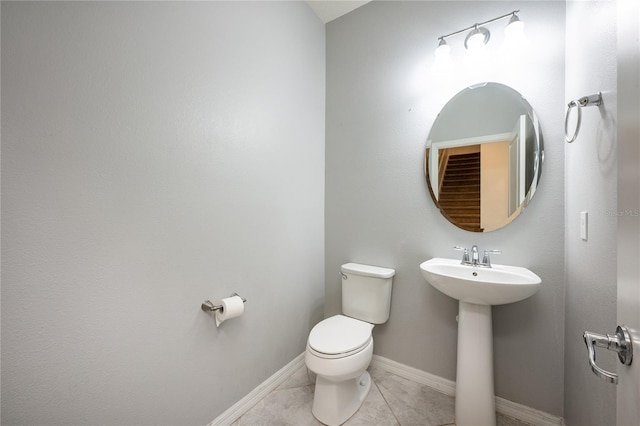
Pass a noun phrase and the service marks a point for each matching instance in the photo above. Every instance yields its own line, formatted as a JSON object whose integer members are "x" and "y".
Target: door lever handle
{"x": 619, "y": 342}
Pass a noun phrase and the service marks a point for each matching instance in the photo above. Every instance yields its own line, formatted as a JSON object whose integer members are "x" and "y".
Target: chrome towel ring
{"x": 591, "y": 100}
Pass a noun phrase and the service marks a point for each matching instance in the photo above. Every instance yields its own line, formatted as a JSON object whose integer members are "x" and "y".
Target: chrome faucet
{"x": 474, "y": 258}
{"x": 474, "y": 255}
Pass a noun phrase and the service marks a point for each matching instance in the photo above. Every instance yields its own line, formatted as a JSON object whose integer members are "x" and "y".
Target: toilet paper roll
{"x": 231, "y": 307}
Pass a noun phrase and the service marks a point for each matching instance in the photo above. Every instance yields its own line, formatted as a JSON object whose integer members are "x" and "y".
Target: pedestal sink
{"x": 477, "y": 288}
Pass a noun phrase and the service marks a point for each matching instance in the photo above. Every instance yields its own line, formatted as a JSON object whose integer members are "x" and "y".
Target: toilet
{"x": 340, "y": 348}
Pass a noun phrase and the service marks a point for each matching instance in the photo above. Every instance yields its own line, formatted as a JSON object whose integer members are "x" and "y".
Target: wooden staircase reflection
{"x": 460, "y": 191}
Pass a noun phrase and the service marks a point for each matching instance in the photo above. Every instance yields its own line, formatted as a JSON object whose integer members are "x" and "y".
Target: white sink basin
{"x": 497, "y": 285}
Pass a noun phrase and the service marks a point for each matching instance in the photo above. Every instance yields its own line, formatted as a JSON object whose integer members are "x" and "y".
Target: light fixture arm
{"x": 480, "y": 24}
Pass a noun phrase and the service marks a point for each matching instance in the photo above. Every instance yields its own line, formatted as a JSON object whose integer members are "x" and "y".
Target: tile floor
{"x": 392, "y": 400}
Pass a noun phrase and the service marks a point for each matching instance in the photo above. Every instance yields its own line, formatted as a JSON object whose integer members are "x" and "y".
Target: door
{"x": 628, "y": 389}
{"x": 517, "y": 164}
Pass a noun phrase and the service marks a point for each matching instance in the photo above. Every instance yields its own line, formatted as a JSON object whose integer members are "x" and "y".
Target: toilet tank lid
{"x": 367, "y": 270}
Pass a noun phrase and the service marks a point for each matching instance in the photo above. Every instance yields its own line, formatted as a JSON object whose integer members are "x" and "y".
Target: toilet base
{"x": 335, "y": 402}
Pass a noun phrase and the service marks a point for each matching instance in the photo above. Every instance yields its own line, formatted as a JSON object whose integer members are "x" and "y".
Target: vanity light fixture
{"x": 479, "y": 36}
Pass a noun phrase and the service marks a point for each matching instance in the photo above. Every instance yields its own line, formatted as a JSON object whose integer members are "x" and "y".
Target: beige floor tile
{"x": 297, "y": 379}
{"x": 282, "y": 407}
{"x": 413, "y": 403}
{"x": 374, "y": 411}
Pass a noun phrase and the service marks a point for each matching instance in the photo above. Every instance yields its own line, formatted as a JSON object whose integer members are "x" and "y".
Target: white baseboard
{"x": 239, "y": 408}
{"x": 440, "y": 384}
{"x": 448, "y": 387}
{"x": 527, "y": 414}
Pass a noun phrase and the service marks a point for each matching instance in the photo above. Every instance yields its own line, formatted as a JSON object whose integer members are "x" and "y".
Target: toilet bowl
{"x": 340, "y": 348}
{"x": 342, "y": 382}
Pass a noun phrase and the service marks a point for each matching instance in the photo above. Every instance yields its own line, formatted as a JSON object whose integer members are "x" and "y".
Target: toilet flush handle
{"x": 620, "y": 343}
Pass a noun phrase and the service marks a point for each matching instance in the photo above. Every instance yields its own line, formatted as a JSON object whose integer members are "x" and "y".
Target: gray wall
{"x": 381, "y": 102}
{"x": 155, "y": 155}
{"x": 591, "y": 185}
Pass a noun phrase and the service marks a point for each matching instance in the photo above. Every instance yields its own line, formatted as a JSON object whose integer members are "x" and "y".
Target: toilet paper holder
{"x": 208, "y": 306}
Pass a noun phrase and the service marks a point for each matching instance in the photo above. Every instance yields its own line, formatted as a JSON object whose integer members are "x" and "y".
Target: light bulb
{"x": 514, "y": 32}
{"x": 477, "y": 38}
{"x": 477, "y": 57}
{"x": 475, "y": 42}
{"x": 443, "y": 49}
{"x": 443, "y": 62}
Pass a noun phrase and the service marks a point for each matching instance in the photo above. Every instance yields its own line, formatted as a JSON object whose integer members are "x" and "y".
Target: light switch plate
{"x": 584, "y": 225}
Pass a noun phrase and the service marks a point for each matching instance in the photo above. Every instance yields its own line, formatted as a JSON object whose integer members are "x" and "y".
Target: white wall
{"x": 155, "y": 155}
{"x": 591, "y": 185}
{"x": 381, "y": 101}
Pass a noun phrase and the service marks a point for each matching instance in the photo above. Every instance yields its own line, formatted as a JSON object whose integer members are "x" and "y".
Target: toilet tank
{"x": 366, "y": 292}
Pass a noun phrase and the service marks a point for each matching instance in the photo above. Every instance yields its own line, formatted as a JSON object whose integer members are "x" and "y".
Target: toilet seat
{"x": 339, "y": 336}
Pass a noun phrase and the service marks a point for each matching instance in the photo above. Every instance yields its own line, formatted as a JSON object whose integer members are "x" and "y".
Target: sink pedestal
{"x": 475, "y": 400}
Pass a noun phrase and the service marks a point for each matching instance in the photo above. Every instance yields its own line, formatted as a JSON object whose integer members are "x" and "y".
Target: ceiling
{"x": 328, "y": 10}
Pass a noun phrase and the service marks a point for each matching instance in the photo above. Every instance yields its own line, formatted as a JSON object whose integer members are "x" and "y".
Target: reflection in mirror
{"x": 484, "y": 157}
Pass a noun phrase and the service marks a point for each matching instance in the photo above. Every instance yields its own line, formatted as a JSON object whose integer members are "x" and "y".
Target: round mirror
{"x": 484, "y": 157}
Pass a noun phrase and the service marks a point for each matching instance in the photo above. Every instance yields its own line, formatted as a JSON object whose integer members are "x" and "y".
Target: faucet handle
{"x": 486, "y": 260}
{"x": 465, "y": 253}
